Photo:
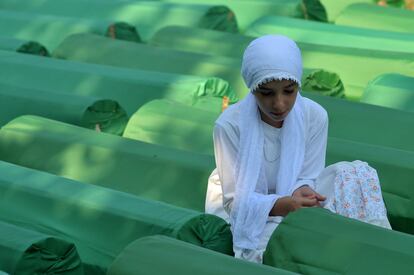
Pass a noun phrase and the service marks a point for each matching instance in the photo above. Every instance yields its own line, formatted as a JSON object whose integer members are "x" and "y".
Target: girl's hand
{"x": 307, "y": 192}
{"x": 285, "y": 205}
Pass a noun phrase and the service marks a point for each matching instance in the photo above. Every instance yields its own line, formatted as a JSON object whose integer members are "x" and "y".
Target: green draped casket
{"x": 377, "y": 17}
{"x": 24, "y": 251}
{"x": 130, "y": 88}
{"x": 146, "y": 16}
{"x": 51, "y": 30}
{"x": 315, "y": 241}
{"x": 391, "y": 90}
{"x": 148, "y": 170}
{"x": 100, "y": 221}
{"x": 163, "y": 255}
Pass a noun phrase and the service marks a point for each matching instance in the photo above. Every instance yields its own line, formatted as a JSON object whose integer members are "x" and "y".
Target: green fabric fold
{"x": 391, "y": 90}
{"x": 315, "y": 241}
{"x": 90, "y": 112}
{"x": 100, "y": 221}
{"x": 22, "y": 46}
{"x": 146, "y": 16}
{"x": 332, "y": 35}
{"x": 51, "y": 30}
{"x": 148, "y": 170}
{"x": 324, "y": 83}
{"x": 377, "y": 17}
{"x": 24, "y": 251}
{"x": 163, "y": 255}
{"x": 355, "y": 67}
{"x": 334, "y": 7}
{"x": 130, "y": 88}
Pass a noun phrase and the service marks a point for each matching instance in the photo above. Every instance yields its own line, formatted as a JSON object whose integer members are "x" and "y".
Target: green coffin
{"x": 23, "y": 251}
{"x": 90, "y": 112}
{"x": 151, "y": 171}
{"x": 314, "y": 241}
{"x": 100, "y": 221}
{"x": 247, "y": 11}
{"x": 391, "y": 90}
{"x": 396, "y": 173}
{"x": 333, "y": 35}
{"x": 22, "y": 46}
{"x": 131, "y": 88}
{"x": 355, "y": 67}
{"x": 147, "y": 17}
{"x": 175, "y": 125}
{"x": 137, "y": 56}
{"x": 377, "y": 17}
{"x": 51, "y": 30}
{"x": 163, "y": 255}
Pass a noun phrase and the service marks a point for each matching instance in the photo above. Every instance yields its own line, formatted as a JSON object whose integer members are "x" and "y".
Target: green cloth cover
{"x": 151, "y": 171}
{"x": 82, "y": 47}
{"x": 355, "y": 67}
{"x": 162, "y": 255}
{"x": 332, "y": 35}
{"x": 51, "y": 30}
{"x": 27, "y": 252}
{"x": 100, "y": 221}
{"x": 391, "y": 90}
{"x": 175, "y": 125}
{"x": 22, "y": 46}
{"x": 247, "y": 11}
{"x": 146, "y": 16}
{"x": 86, "y": 111}
{"x": 130, "y": 88}
{"x": 376, "y": 17}
{"x": 315, "y": 241}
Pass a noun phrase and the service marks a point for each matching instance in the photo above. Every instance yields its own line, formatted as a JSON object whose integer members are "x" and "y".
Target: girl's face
{"x": 275, "y": 100}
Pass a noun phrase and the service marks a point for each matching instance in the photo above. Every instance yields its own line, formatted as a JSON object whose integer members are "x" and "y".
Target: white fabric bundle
{"x": 271, "y": 57}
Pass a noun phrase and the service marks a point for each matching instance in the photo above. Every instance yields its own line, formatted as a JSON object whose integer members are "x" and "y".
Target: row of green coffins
{"x": 314, "y": 33}
{"x": 146, "y": 17}
{"x": 22, "y": 46}
{"x": 99, "y": 221}
{"x": 355, "y": 67}
{"x": 131, "y": 88}
{"x": 51, "y": 30}
{"x": 247, "y": 11}
{"x": 377, "y": 17}
{"x": 102, "y": 223}
{"x": 175, "y": 176}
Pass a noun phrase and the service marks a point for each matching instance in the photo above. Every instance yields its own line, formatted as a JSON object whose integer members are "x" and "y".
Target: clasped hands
{"x": 304, "y": 196}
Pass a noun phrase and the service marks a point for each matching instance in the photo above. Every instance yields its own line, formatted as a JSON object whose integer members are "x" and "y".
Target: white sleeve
{"x": 315, "y": 150}
{"x": 225, "y": 152}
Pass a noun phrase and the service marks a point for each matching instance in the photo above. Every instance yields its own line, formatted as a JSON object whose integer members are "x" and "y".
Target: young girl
{"x": 270, "y": 149}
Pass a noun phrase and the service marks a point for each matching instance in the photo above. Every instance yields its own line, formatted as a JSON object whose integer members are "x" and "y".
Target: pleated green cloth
{"x": 130, "y": 88}
{"x": 395, "y": 170}
{"x": 391, "y": 90}
{"x": 91, "y": 112}
{"x": 100, "y": 221}
{"x": 22, "y": 46}
{"x": 314, "y": 241}
{"x": 163, "y": 255}
{"x": 25, "y": 252}
{"x": 355, "y": 67}
{"x": 148, "y": 170}
{"x": 333, "y": 35}
{"x": 51, "y": 30}
{"x": 146, "y": 16}
{"x": 377, "y": 17}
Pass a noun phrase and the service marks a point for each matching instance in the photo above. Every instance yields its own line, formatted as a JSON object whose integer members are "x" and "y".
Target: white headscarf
{"x": 271, "y": 57}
